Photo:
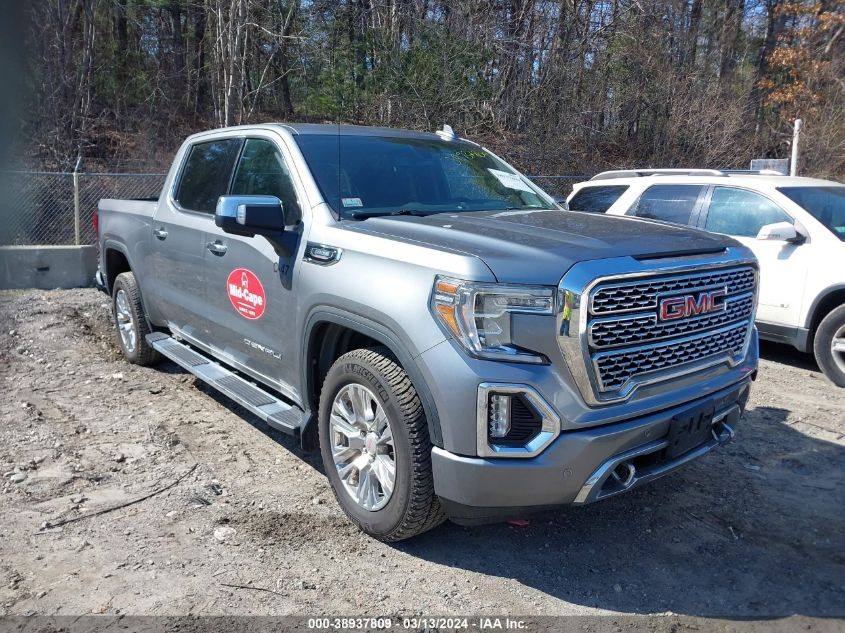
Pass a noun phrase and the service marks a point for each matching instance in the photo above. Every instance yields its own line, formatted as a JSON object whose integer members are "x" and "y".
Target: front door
{"x": 249, "y": 287}
{"x": 741, "y": 213}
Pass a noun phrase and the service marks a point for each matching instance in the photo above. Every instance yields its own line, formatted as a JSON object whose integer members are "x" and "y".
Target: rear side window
{"x": 669, "y": 203}
{"x": 741, "y": 212}
{"x": 206, "y": 174}
{"x": 596, "y": 199}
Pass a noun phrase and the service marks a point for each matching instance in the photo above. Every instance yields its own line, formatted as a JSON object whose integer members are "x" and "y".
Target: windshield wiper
{"x": 529, "y": 208}
{"x": 361, "y": 215}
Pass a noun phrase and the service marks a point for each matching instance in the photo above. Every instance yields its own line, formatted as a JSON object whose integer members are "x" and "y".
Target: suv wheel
{"x": 375, "y": 446}
{"x": 829, "y": 346}
{"x": 131, "y": 321}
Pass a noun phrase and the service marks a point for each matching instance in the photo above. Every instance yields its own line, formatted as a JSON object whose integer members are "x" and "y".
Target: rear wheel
{"x": 375, "y": 446}
{"x": 131, "y": 321}
{"x": 829, "y": 346}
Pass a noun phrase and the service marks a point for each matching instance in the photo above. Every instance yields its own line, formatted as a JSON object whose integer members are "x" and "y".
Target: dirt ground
{"x": 755, "y": 530}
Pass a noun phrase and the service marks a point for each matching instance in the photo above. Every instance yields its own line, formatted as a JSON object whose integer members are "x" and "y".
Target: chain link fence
{"x": 57, "y": 208}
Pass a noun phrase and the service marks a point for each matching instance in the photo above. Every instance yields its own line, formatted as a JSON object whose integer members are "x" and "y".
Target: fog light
{"x": 499, "y": 417}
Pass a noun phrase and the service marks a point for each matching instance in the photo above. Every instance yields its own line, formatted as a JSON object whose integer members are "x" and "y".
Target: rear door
{"x": 178, "y": 245}
{"x": 249, "y": 287}
{"x": 741, "y": 213}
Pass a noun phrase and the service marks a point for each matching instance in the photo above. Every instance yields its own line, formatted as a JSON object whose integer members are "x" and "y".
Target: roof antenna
{"x": 447, "y": 133}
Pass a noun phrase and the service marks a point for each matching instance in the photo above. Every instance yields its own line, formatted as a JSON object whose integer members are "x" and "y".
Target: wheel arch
{"x": 323, "y": 343}
{"x": 825, "y": 301}
{"x": 116, "y": 260}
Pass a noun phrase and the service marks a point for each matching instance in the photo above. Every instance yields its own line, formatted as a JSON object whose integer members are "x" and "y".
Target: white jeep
{"x": 795, "y": 226}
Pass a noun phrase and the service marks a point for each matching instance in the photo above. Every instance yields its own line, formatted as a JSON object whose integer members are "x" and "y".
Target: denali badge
{"x": 683, "y": 306}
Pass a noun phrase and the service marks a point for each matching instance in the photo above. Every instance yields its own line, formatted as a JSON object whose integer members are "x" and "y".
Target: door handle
{"x": 218, "y": 247}
{"x": 160, "y": 233}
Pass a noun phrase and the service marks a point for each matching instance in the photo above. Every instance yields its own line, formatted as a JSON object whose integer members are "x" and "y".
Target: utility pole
{"x": 796, "y": 133}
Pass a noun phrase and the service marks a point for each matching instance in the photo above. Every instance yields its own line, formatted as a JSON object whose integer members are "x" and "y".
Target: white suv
{"x": 795, "y": 227}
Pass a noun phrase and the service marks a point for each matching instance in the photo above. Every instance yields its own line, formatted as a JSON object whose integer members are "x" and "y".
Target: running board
{"x": 274, "y": 411}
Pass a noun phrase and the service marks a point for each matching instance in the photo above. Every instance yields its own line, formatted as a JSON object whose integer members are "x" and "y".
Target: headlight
{"x": 479, "y": 315}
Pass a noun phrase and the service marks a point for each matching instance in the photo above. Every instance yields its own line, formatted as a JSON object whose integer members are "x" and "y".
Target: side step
{"x": 275, "y": 412}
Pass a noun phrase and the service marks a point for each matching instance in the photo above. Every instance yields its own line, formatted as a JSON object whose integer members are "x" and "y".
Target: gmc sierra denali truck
{"x": 455, "y": 344}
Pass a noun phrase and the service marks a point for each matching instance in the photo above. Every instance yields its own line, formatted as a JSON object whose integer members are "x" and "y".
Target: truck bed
{"x": 134, "y": 206}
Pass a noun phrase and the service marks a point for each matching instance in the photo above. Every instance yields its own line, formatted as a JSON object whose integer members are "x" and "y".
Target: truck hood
{"x": 539, "y": 246}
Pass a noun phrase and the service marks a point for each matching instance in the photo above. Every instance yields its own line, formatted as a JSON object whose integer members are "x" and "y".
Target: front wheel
{"x": 375, "y": 446}
{"x": 829, "y": 346}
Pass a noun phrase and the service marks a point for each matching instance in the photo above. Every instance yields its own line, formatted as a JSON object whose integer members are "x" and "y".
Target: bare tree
{"x": 557, "y": 85}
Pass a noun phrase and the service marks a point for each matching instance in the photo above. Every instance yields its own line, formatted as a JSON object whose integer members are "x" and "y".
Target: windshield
{"x": 826, "y": 204}
{"x": 361, "y": 176}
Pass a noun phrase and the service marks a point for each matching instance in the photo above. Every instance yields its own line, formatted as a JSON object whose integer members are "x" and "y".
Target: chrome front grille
{"x": 628, "y": 341}
{"x": 627, "y": 330}
{"x": 615, "y": 339}
{"x": 618, "y": 367}
{"x": 642, "y": 294}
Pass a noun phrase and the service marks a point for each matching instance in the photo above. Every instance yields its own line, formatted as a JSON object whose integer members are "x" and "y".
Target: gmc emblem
{"x": 685, "y": 306}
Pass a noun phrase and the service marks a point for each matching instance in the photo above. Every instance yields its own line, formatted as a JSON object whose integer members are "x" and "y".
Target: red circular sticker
{"x": 246, "y": 293}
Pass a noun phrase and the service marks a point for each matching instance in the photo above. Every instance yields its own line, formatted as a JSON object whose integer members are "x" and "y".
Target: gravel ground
{"x": 250, "y": 526}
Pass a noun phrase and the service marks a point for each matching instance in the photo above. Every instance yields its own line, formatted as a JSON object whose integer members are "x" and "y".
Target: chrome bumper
{"x": 620, "y": 473}
{"x": 578, "y": 467}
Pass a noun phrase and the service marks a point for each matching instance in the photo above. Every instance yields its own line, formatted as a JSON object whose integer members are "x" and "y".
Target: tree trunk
{"x": 289, "y": 17}
{"x": 692, "y": 34}
{"x": 775, "y": 22}
{"x": 177, "y": 44}
{"x": 731, "y": 30}
{"x": 199, "y": 81}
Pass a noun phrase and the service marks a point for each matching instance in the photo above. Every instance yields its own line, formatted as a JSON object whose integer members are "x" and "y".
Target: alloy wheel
{"x": 125, "y": 322}
{"x": 362, "y": 446}
{"x": 837, "y": 348}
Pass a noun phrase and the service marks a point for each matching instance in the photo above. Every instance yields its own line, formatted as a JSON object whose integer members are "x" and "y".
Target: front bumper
{"x": 577, "y": 467}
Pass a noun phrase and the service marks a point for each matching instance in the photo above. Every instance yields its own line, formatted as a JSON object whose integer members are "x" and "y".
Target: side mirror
{"x": 561, "y": 202}
{"x": 781, "y": 232}
{"x": 250, "y": 215}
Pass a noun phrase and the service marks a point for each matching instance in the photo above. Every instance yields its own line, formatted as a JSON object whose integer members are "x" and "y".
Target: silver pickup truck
{"x": 454, "y": 343}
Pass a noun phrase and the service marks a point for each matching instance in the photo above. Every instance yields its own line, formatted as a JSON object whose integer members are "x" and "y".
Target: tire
{"x": 373, "y": 378}
{"x": 131, "y": 321}
{"x": 831, "y": 362}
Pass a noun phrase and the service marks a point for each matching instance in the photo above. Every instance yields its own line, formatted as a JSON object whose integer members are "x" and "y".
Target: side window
{"x": 262, "y": 172}
{"x": 596, "y": 199}
{"x": 206, "y": 174}
{"x": 670, "y": 203}
{"x": 741, "y": 212}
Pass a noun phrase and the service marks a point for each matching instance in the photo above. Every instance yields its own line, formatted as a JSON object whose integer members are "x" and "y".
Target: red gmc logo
{"x": 684, "y": 306}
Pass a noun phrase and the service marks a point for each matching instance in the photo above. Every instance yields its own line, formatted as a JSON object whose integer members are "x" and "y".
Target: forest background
{"x": 555, "y": 87}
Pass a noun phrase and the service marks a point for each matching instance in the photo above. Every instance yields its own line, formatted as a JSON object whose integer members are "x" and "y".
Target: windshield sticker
{"x": 351, "y": 202}
{"x": 246, "y": 293}
{"x": 511, "y": 181}
{"x": 466, "y": 156}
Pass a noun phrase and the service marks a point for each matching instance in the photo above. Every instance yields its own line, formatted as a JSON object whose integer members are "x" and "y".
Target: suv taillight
{"x": 95, "y": 222}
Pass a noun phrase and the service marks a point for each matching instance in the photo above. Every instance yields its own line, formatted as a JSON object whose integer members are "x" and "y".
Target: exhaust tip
{"x": 624, "y": 474}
